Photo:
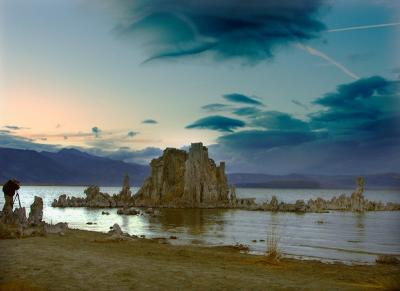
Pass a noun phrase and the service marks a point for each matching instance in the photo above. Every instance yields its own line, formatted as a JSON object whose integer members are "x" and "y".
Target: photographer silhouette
{"x": 9, "y": 190}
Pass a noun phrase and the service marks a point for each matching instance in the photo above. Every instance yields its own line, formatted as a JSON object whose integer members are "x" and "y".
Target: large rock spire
{"x": 185, "y": 179}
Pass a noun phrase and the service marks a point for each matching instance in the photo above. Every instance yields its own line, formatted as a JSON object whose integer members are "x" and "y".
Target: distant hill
{"x": 67, "y": 167}
{"x": 73, "y": 167}
{"x": 249, "y": 180}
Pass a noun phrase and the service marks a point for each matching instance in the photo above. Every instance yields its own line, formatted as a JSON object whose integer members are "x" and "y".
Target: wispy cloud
{"x": 150, "y": 121}
{"x": 132, "y": 133}
{"x": 96, "y": 131}
{"x": 372, "y": 26}
{"x": 240, "y": 98}
{"x": 14, "y": 127}
{"x": 314, "y": 52}
{"x": 215, "y": 107}
{"x": 218, "y": 123}
{"x": 298, "y": 103}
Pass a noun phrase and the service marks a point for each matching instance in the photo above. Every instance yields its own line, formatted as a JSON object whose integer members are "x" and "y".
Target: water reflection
{"x": 194, "y": 221}
{"x": 337, "y": 235}
{"x": 360, "y": 220}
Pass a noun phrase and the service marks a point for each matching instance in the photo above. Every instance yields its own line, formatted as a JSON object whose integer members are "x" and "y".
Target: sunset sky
{"x": 270, "y": 86}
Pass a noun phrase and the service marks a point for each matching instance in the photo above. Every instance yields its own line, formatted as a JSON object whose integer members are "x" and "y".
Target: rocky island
{"x": 178, "y": 179}
{"x": 181, "y": 179}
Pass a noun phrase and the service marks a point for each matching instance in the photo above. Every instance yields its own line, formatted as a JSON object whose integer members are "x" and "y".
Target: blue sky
{"x": 130, "y": 78}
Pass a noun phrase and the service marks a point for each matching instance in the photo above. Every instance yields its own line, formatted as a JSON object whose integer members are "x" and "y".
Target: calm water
{"x": 343, "y": 236}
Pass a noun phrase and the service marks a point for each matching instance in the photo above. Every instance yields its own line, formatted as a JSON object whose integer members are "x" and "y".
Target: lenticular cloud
{"x": 247, "y": 30}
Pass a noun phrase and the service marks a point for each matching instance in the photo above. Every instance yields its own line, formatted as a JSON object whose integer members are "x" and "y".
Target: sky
{"x": 273, "y": 87}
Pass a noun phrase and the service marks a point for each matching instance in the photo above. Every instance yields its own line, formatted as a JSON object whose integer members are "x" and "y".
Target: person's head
{"x": 15, "y": 181}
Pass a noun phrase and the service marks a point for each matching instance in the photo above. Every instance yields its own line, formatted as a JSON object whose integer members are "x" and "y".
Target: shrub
{"x": 273, "y": 253}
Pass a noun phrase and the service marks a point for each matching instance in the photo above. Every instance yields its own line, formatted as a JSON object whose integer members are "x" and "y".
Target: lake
{"x": 343, "y": 236}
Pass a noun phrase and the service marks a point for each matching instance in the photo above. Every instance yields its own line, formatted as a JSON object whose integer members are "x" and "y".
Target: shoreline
{"x": 237, "y": 187}
{"x": 86, "y": 260}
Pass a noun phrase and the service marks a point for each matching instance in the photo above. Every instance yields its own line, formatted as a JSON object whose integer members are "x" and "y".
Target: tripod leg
{"x": 19, "y": 201}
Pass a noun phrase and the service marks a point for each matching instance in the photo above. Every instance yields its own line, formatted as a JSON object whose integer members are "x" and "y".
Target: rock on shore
{"x": 181, "y": 179}
{"x": 16, "y": 225}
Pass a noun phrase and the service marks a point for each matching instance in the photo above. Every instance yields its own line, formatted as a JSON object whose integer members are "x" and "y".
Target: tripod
{"x": 19, "y": 201}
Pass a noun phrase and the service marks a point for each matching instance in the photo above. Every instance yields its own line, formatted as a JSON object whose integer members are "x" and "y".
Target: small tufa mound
{"x": 58, "y": 228}
{"x": 387, "y": 260}
{"x": 128, "y": 211}
{"x": 241, "y": 247}
{"x": 116, "y": 230}
{"x": 17, "y": 225}
{"x": 36, "y": 214}
{"x": 116, "y": 235}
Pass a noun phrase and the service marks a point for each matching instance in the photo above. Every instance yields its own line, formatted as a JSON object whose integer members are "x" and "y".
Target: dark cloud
{"x": 355, "y": 131}
{"x": 150, "y": 121}
{"x": 99, "y": 147}
{"x": 366, "y": 108}
{"x": 8, "y": 140}
{"x": 265, "y": 139}
{"x": 135, "y": 156}
{"x": 96, "y": 131}
{"x": 228, "y": 29}
{"x": 240, "y": 98}
{"x": 298, "y": 103}
{"x": 217, "y": 122}
{"x": 275, "y": 120}
{"x": 247, "y": 111}
{"x": 132, "y": 133}
{"x": 216, "y": 107}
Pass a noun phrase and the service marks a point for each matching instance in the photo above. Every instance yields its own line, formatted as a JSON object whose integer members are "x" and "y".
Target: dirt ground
{"x": 81, "y": 261}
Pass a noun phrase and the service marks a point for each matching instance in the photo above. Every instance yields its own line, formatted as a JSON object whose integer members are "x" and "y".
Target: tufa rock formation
{"x": 36, "y": 214}
{"x": 128, "y": 211}
{"x": 15, "y": 224}
{"x": 181, "y": 179}
{"x": 96, "y": 199}
{"x": 356, "y": 202}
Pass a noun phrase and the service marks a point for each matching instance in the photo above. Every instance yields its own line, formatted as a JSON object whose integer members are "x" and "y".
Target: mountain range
{"x": 67, "y": 167}
{"x": 74, "y": 167}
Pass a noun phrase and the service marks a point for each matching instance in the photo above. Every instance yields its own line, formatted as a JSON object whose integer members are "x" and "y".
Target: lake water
{"x": 343, "y": 236}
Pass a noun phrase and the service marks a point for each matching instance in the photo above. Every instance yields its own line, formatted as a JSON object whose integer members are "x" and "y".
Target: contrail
{"x": 315, "y": 52}
{"x": 364, "y": 27}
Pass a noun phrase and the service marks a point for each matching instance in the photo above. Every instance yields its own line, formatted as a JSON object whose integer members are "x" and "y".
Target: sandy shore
{"x": 81, "y": 260}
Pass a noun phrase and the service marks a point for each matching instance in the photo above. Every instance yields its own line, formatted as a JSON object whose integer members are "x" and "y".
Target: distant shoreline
{"x": 237, "y": 186}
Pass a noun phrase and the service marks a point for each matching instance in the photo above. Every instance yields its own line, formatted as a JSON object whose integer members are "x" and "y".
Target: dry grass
{"x": 17, "y": 286}
{"x": 273, "y": 253}
{"x": 74, "y": 262}
{"x": 389, "y": 283}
